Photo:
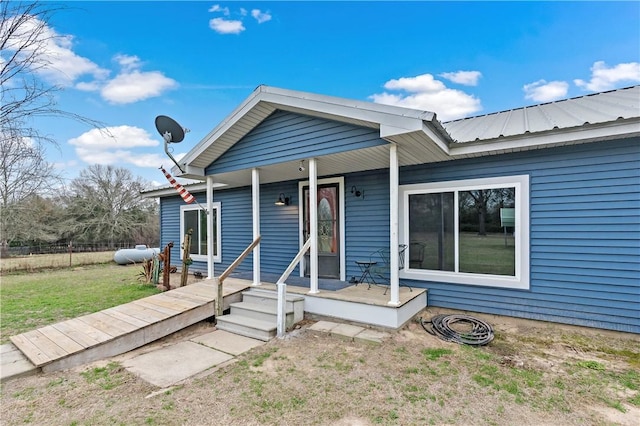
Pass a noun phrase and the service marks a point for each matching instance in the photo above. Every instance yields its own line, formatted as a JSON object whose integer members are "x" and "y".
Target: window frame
{"x": 521, "y": 279}
{"x": 217, "y": 208}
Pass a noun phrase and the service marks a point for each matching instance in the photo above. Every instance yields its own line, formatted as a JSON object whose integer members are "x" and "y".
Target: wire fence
{"x": 26, "y": 250}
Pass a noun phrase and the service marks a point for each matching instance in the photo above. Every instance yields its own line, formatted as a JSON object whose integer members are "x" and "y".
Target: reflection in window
{"x": 482, "y": 243}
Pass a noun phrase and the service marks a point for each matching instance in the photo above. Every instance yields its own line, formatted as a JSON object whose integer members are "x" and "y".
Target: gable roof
{"x": 419, "y": 131}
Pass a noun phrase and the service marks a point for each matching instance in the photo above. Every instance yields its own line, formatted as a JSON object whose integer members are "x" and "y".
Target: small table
{"x": 365, "y": 268}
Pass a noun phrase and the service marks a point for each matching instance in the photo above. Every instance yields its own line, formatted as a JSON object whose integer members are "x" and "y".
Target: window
{"x": 467, "y": 232}
{"x": 194, "y": 218}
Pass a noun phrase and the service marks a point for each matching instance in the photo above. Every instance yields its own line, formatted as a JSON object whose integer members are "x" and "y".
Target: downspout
{"x": 255, "y": 203}
{"x": 394, "y": 180}
{"x": 210, "y": 229}
{"x": 313, "y": 224}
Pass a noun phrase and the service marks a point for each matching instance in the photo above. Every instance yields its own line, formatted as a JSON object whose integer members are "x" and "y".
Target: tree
{"x": 25, "y": 40}
{"x": 104, "y": 204}
{"x": 25, "y": 175}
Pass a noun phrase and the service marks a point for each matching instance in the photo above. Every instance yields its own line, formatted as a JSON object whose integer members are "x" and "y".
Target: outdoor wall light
{"x": 282, "y": 200}
{"x": 358, "y": 193}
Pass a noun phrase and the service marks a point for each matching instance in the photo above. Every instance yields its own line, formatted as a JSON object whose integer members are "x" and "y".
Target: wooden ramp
{"x": 123, "y": 328}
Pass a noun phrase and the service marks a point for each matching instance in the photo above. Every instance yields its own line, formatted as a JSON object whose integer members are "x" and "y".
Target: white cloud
{"x": 114, "y": 137}
{"x": 57, "y": 62}
{"x": 127, "y": 62}
{"x": 224, "y": 26}
{"x": 218, "y": 8}
{"x": 543, "y": 91}
{"x": 136, "y": 86}
{"x": 427, "y": 93}
{"x": 466, "y": 78}
{"x": 235, "y": 26}
{"x": 260, "y": 16}
{"x": 117, "y": 145}
{"x": 62, "y": 66}
{"x": 607, "y": 78}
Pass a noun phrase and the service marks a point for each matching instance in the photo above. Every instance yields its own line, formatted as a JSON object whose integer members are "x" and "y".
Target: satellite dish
{"x": 171, "y": 132}
{"x": 169, "y": 129}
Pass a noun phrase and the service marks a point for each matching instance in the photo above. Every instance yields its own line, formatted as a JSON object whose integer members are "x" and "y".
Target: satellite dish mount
{"x": 171, "y": 132}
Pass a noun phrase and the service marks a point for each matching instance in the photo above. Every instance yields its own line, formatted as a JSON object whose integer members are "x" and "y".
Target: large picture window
{"x": 194, "y": 218}
{"x": 467, "y": 232}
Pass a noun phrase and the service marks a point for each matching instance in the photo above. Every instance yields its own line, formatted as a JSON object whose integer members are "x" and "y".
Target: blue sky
{"x": 124, "y": 63}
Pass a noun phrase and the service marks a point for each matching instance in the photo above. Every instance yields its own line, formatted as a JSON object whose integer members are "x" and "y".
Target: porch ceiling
{"x": 330, "y": 165}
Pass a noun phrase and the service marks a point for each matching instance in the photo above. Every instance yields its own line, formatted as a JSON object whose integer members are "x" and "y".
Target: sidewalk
{"x": 166, "y": 364}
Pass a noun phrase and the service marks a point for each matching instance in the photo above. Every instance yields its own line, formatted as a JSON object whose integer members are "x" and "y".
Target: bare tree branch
{"x": 25, "y": 36}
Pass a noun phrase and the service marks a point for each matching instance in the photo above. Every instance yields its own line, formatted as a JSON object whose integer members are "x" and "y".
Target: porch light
{"x": 358, "y": 193}
{"x": 282, "y": 200}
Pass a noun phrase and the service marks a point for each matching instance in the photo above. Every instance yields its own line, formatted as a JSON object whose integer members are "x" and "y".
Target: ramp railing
{"x": 229, "y": 270}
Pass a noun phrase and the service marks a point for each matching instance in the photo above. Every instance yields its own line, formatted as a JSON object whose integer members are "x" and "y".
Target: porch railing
{"x": 229, "y": 270}
{"x": 282, "y": 288}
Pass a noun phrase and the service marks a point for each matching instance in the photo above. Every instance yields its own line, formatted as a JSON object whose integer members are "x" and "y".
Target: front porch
{"x": 346, "y": 301}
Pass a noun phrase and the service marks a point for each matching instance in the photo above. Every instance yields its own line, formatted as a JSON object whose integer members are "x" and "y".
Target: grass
{"x": 53, "y": 261}
{"x": 319, "y": 379}
{"x": 32, "y": 300}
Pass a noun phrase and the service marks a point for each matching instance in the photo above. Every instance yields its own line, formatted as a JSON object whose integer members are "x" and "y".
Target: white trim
{"x": 313, "y": 224}
{"x": 394, "y": 179}
{"x": 521, "y": 278}
{"x": 340, "y": 181}
{"x": 217, "y": 207}
{"x": 255, "y": 210}
{"x": 210, "y": 230}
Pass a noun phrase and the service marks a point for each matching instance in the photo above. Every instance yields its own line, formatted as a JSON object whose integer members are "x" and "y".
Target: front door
{"x": 328, "y": 230}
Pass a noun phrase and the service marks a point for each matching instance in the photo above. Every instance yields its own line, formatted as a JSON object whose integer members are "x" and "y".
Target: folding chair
{"x": 382, "y": 270}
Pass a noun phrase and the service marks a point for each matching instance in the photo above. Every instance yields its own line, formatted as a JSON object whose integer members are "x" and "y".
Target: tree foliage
{"x": 104, "y": 204}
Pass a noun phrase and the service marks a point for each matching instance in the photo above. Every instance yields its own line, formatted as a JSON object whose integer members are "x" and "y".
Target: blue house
{"x": 531, "y": 213}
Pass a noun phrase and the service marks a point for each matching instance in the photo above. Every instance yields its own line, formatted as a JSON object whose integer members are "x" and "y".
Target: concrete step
{"x": 261, "y": 312}
{"x": 249, "y": 327}
{"x": 293, "y": 303}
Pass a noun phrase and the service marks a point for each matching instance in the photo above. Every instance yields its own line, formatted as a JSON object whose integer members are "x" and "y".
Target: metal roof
{"x": 564, "y": 114}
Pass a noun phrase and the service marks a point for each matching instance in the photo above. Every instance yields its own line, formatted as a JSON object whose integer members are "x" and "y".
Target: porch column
{"x": 393, "y": 225}
{"x": 313, "y": 225}
{"x": 210, "y": 228}
{"x": 255, "y": 206}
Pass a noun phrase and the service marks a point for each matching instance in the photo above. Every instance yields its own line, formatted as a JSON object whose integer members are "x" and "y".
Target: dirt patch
{"x": 533, "y": 373}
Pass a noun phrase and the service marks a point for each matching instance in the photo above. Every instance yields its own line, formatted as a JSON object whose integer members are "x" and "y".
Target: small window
{"x": 468, "y": 232}
{"x": 195, "y": 219}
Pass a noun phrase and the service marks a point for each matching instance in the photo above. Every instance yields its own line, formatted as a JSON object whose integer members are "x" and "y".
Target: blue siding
{"x": 279, "y": 228}
{"x": 284, "y": 136}
{"x": 585, "y": 235}
{"x": 584, "y": 227}
{"x": 366, "y": 218}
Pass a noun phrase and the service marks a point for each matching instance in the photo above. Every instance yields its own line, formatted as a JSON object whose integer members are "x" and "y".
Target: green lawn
{"x": 32, "y": 300}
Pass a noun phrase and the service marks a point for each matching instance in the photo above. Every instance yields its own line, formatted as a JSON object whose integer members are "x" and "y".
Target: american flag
{"x": 186, "y": 196}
